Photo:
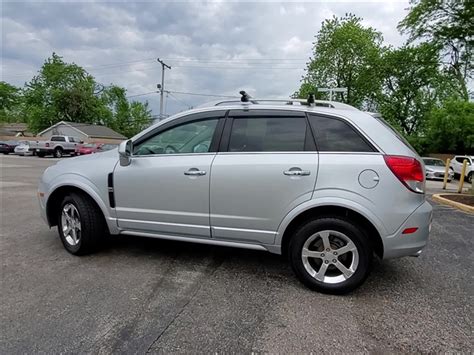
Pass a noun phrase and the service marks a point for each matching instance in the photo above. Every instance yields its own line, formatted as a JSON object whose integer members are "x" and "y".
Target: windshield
{"x": 434, "y": 162}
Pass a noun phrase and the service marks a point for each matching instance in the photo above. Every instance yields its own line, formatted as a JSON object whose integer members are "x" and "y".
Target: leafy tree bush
{"x": 66, "y": 92}
{"x": 345, "y": 54}
{"x": 451, "y": 128}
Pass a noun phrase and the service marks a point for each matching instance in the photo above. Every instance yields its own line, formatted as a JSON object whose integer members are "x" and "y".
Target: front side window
{"x": 334, "y": 135}
{"x": 193, "y": 137}
{"x": 268, "y": 134}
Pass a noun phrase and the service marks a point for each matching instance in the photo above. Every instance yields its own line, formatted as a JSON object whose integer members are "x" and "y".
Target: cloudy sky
{"x": 213, "y": 48}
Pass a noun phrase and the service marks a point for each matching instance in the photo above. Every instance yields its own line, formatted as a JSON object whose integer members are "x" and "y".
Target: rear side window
{"x": 58, "y": 139}
{"x": 268, "y": 134}
{"x": 334, "y": 135}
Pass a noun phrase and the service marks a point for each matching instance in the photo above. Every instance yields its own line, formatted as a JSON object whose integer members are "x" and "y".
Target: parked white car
{"x": 435, "y": 169}
{"x": 23, "y": 148}
{"x": 456, "y": 166}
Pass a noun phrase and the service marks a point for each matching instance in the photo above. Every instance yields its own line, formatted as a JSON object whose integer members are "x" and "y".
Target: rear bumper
{"x": 399, "y": 244}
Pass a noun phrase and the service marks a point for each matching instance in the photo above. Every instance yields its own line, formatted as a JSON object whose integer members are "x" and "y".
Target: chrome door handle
{"x": 297, "y": 172}
{"x": 195, "y": 172}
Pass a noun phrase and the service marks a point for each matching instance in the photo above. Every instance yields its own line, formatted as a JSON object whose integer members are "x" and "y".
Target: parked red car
{"x": 89, "y": 148}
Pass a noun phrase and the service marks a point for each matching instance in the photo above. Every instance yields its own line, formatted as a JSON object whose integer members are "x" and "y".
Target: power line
{"x": 143, "y": 94}
{"x": 179, "y": 100}
{"x": 185, "y": 93}
{"x": 235, "y": 59}
{"x": 206, "y": 95}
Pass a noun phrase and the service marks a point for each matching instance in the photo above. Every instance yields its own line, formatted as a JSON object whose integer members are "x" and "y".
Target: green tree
{"x": 60, "y": 91}
{"x": 345, "y": 54}
{"x": 64, "y": 91}
{"x": 10, "y": 103}
{"x": 409, "y": 78}
{"x": 448, "y": 24}
{"x": 128, "y": 118}
{"x": 451, "y": 128}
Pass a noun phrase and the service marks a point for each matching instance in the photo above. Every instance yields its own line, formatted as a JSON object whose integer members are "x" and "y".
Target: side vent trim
{"x": 110, "y": 186}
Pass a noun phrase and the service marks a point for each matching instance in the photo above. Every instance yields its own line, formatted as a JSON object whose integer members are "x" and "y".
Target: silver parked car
{"x": 435, "y": 169}
{"x": 323, "y": 183}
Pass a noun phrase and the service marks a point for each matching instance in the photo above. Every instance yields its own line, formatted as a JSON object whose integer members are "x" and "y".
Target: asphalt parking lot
{"x": 145, "y": 295}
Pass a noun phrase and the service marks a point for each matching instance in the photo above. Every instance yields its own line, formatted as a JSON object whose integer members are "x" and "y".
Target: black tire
{"x": 469, "y": 177}
{"x": 348, "y": 229}
{"x": 58, "y": 153}
{"x": 93, "y": 230}
{"x": 40, "y": 155}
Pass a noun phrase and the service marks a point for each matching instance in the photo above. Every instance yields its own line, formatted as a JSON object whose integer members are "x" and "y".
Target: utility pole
{"x": 162, "y": 89}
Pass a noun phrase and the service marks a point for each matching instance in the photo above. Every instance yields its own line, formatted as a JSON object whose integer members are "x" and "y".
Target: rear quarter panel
{"x": 340, "y": 177}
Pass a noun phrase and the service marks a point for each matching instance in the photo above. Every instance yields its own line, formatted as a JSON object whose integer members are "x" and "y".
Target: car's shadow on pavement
{"x": 385, "y": 275}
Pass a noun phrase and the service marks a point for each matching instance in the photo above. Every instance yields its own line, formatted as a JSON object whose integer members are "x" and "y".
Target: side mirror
{"x": 125, "y": 152}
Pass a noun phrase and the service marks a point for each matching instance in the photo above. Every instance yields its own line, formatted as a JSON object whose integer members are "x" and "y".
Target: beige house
{"x": 84, "y": 131}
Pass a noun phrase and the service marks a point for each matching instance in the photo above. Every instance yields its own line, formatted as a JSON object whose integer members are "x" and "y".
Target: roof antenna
{"x": 311, "y": 100}
{"x": 245, "y": 97}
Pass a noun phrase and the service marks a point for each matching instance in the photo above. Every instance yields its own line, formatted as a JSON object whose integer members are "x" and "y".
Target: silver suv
{"x": 323, "y": 183}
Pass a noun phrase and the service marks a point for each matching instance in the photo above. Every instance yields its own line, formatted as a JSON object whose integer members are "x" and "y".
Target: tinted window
{"x": 334, "y": 135}
{"x": 193, "y": 137}
{"x": 259, "y": 134}
{"x": 58, "y": 139}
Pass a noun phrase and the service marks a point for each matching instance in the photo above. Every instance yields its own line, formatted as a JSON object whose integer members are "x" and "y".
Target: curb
{"x": 461, "y": 206}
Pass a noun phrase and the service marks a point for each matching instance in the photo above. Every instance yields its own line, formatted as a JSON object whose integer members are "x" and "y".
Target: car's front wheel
{"x": 469, "y": 178}
{"x": 80, "y": 224}
{"x": 330, "y": 255}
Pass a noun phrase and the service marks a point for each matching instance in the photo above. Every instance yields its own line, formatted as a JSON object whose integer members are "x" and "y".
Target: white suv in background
{"x": 456, "y": 166}
{"x": 323, "y": 183}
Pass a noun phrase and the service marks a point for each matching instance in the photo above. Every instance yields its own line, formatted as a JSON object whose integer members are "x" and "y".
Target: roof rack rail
{"x": 291, "y": 102}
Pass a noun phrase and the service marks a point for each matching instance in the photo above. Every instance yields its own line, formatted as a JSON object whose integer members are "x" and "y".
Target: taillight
{"x": 408, "y": 170}
{"x": 46, "y": 144}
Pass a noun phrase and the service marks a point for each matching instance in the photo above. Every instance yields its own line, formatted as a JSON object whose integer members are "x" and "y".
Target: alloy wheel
{"x": 330, "y": 256}
{"x": 71, "y": 224}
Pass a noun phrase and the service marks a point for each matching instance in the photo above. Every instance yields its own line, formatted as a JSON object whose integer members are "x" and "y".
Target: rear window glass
{"x": 268, "y": 134}
{"x": 334, "y": 135}
{"x": 395, "y": 132}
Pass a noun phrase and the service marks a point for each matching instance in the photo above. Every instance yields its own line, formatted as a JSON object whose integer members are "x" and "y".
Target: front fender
{"x": 98, "y": 194}
{"x": 329, "y": 201}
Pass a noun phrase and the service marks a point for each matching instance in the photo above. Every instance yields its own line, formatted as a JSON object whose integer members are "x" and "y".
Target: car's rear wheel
{"x": 469, "y": 178}
{"x": 80, "y": 224}
{"x": 330, "y": 255}
{"x": 58, "y": 152}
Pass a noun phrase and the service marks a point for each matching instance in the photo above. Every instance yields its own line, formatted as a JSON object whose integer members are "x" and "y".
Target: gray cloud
{"x": 225, "y": 34}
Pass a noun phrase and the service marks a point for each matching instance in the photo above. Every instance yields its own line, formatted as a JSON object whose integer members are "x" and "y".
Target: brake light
{"x": 46, "y": 144}
{"x": 408, "y": 170}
